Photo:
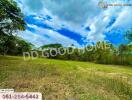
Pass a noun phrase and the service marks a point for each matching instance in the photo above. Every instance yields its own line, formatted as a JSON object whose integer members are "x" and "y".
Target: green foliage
{"x": 13, "y": 45}
{"x": 11, "y": 18}
{"x": 102, "y": 52}
{"x": 23, "y": 46}
{"x": 51, "y": 46}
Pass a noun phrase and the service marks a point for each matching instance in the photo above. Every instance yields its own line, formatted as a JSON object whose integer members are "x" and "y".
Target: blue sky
{"x": 78, "y": 22}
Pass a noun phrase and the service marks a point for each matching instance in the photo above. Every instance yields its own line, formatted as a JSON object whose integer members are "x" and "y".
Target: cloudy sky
{"x": 78, "y": 22}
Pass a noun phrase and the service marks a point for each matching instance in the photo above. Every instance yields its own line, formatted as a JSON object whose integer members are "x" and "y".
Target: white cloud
{"x": 124, "y": 19}
{"x": 99, "y": 23}
{"x": 72, "y": 14}
{"x": 46, "y": 36}
{"x": 76, "y": 11}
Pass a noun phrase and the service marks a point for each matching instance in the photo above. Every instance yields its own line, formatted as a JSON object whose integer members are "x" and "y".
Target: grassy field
{"x": 66, "y": 80}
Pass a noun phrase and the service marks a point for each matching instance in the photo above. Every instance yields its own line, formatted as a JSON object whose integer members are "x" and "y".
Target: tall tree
{"x": 11, "y": 21}
{"x": 11, "y": 18}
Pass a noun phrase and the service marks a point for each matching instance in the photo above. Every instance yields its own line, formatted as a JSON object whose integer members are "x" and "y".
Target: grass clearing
{"x": 66, "y": 80}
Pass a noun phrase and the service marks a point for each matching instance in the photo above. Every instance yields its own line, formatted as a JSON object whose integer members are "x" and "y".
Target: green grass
{"x": 66, "y": 80}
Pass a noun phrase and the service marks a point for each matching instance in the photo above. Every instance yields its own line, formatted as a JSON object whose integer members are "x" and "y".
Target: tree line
{"x": 101, "y": 52}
